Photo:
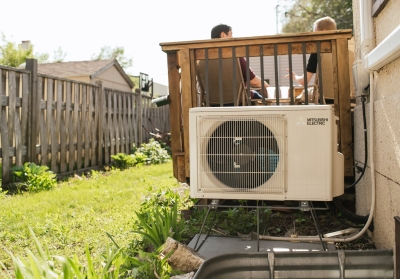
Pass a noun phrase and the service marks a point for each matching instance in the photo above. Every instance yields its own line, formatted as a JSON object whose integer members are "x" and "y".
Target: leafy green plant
{"x": 33, "y": 177}
{"x": 166, "y": 146}
{"x": 160, "y": 223}
{"x": 160, "y": 199}
{"x": 154, "y": 153}
{"x": 149, "y": 265}
{"x": 140, "y": 158}
{"x": 239, "y": 220}
{"x": 166, "y": 198}
{"x": 300, "y": 218}
{"x": 124, "y": 161}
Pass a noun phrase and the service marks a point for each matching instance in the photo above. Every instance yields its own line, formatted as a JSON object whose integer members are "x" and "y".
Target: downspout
{"x": 366, "y": 31}
{"x": 387, "y": 51}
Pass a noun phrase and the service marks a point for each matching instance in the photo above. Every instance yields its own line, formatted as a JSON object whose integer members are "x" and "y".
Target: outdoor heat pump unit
{"x": 265, "y": 153}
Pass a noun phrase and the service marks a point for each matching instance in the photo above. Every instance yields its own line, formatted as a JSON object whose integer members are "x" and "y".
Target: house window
{"x": 377, "y": 6}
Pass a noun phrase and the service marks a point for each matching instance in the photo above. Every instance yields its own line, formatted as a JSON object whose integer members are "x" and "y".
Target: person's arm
{"x": 256, "y": 82}
{"x": 311, "y": 69}
{"x": 300, "y": 79}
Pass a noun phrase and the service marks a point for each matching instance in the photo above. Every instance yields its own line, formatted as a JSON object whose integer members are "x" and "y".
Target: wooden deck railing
{"x": 183, "y": 56}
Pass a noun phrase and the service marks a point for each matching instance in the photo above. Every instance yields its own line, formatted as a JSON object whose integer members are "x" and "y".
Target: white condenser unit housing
{"x": 265, "y": 153}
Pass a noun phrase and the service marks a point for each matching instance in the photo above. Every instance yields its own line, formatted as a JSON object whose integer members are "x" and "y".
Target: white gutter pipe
{"x": 367, "y": 43}
{"x": 366, "y": 28}
{"x": 387, "y": 51}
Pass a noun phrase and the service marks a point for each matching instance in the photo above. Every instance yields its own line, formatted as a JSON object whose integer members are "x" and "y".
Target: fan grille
{"x": 243, "y": 153}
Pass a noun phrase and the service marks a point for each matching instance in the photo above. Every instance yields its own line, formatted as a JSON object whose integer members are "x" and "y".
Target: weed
{"x": 300, "y": 218}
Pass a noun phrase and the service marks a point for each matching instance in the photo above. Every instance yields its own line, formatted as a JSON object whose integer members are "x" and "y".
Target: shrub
{"x": 166, "y": 147}
{"x": 148, "y": 153}
{"x": 33, "y": 177}
{"x": 124, "y": 161}
{"x": 166, "y": 198}
{"x": 154, "y": 153}
{"x": 140, "y": 158}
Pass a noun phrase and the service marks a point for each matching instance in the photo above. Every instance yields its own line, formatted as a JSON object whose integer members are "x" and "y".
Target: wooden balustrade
{"x": 183, "y": 56}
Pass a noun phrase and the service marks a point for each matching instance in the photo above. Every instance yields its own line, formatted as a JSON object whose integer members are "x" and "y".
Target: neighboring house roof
{"x": 81, "y": 68}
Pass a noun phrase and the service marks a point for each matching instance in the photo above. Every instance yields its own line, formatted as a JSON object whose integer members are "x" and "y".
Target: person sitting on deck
{"x": 322, "y": 24}
{"x": 221, "y": 31}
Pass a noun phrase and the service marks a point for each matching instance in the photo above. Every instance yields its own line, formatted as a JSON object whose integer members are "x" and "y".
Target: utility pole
{"x": 276, "y": 17}
{"x": 277, "y": 57}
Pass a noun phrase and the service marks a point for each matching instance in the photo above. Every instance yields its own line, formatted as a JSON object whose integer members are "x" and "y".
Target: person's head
{"x": 221, "y": 31}
{"x": 324, "y": 24}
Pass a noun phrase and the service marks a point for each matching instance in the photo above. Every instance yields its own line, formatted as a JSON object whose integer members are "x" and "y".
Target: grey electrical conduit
{"x": 372, "y": 209}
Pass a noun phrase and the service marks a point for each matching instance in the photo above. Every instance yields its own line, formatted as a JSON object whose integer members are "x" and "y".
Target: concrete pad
{"x": 219, "y": 245}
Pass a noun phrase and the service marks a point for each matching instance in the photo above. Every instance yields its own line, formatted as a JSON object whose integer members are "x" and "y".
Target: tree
{"x": 301, "y": 14}
{"x": 59, "y": 55}
{"x": 13, "y": 55}
{"x": 117, "y": 53}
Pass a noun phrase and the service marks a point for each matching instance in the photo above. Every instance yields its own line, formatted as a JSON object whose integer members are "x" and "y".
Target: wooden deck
{"x": 183, "y": 56}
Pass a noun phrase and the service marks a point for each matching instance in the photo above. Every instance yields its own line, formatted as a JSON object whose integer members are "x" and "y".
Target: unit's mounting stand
{"x": 215, "y": 204}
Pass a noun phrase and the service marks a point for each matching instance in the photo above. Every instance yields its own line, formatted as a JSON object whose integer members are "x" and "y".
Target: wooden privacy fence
{"x": 69, "y": 125}
{"x": 184, "y": 60}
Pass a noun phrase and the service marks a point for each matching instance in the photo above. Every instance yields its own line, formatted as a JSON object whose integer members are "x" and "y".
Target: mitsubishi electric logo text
{"x": 311, "y": 121}
{"x": 316, "y": 121}
{"x": 301, "y": 121}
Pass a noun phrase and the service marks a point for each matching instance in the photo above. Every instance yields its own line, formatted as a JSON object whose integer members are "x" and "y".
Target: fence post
{"x": 100, "y": 111}
{"x": 33, "y": 111}
{"x": 139, "y": 116}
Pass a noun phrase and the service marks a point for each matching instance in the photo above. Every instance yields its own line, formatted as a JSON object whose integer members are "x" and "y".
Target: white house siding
{"x": 386, "y": 134}
{"x": 160, "y": 90}
{"x": 112, "y": 78}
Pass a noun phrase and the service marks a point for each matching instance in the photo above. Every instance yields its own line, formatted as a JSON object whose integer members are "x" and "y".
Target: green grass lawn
{"x": 80, "y": 211}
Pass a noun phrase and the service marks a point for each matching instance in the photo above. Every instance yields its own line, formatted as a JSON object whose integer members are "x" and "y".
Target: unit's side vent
{"x": 242, "y": 154}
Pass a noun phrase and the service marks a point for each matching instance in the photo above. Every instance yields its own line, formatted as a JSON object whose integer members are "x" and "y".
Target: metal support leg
{"x": 258, "y": 229}
{"x": 315, "y": 218}
{"x": 214, "y": 205}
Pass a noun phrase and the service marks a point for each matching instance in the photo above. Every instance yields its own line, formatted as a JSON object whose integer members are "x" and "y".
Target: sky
{"x": 81, "y": 28}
